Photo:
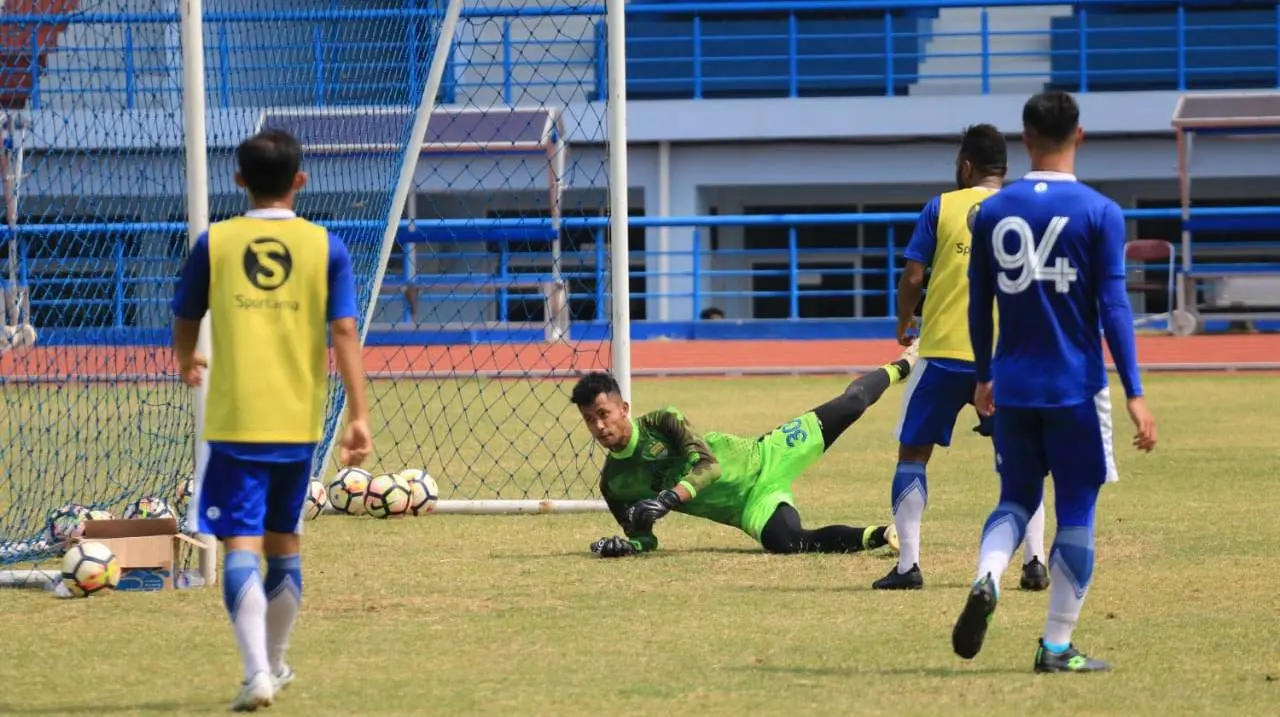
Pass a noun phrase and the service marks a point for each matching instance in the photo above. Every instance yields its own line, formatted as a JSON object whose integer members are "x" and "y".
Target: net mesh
{"x": 90, "y": 412}
{"x": 497, "y": 289}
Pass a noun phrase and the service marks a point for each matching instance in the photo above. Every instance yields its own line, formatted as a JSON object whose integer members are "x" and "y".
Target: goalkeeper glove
{"x": 614, "y": 547}
{"x": 646, "y": 512}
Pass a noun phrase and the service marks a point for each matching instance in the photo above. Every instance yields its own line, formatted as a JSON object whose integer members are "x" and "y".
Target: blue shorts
{"x": 239, "y": 497}
{"x": 935, "y": 394}
{"x": 1073, "y": 443}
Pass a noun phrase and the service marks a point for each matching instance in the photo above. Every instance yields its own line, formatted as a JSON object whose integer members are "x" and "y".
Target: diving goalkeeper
{"x": 659, "y": 463}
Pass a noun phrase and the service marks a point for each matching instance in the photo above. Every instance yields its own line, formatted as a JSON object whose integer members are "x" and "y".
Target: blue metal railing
{"x": 683, "y": 50}
{"x": 118, "y": 290}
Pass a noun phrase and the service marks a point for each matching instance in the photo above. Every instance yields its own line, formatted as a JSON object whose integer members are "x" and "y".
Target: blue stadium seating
{"x": 1129, "y": 50}
{"x": 751, "y": 56}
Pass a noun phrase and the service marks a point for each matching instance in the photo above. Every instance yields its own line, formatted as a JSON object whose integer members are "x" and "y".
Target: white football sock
{"x": 998, "y": 545}
{"x": 1065, "y": 603}
{"x": 247, "y": 606}
{"x": 284, "y": 602}
{"x": 906, "y": 518}
{"x": 1033, "y": 543}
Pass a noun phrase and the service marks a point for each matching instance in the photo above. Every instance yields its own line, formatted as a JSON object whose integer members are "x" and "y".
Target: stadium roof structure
{"x": 356, "y": 129}
{"x": 1227, "y": 113}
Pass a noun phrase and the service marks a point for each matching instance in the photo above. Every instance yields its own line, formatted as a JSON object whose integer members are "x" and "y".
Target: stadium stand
{"x": 783, "y": 54}
{"x": 1121, "y": 49}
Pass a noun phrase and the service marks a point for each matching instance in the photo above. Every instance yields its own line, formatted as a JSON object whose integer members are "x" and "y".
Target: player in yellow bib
{"x": 943, "y": 382}
{"x": 274, "y": 286}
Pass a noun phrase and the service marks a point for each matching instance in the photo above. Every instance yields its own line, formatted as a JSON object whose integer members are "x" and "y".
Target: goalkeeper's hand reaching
{"x": 614, "y": 547}
{"x": 644, "y": 513}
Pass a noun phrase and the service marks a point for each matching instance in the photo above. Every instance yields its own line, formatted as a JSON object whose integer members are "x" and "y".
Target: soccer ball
{"x": 99, "y": 514}
{"x": 423, "y": 489}
{"x": 316, "y": 498}
{"x": 346, "y": 492}
{"x": 149, "y": 507}
{"x": 65, "y": 522}
{"x": 89, "y": 568}
{"x": 388, "y": 495}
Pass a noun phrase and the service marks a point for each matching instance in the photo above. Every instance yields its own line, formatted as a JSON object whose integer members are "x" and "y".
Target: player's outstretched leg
{"x": 1000, "y": 538}
{"x": 840, "y": 412}
{"x": 783, "y": 534}
{"x": 1071, "y": 564}
{"x": 1035, "y": 574}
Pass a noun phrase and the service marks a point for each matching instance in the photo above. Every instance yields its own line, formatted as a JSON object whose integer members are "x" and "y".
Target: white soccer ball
{"x": 64, "y": 523}
{"x": 388, "y": 496}
{"x": 149, "y": 507}
{"x": 346, "y": 492}
{"x": 423, "y": 489}
{"x": 24, "y": 336}
{"x": 89, "y": 568}
{"x": 99, "y": 514}
{"x": 317, "y": 496}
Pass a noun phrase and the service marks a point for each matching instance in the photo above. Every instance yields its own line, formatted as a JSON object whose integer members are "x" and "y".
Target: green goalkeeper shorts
{"x": 785, "y": 453}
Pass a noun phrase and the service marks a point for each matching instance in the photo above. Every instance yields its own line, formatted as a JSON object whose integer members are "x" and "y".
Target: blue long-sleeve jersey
{"x": 1050, "y": 252}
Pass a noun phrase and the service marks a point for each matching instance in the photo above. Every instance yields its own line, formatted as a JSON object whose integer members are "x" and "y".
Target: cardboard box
{"x": 149, "y": 549}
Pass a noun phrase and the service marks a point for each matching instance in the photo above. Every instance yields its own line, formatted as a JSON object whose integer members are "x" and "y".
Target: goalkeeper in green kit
{"x": 658, "y": 463}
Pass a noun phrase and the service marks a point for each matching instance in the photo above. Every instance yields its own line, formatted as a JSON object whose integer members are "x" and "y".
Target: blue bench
{"x": 1132, "y": 50}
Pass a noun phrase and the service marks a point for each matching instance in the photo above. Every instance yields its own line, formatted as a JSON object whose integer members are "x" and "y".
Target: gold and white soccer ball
{"x": 89, "y": 568}
{"x": 422, "y": 489}
{"x": 388, "y": 496}
{"x": 317, "y": 496}
{"x": 346, "y": 491}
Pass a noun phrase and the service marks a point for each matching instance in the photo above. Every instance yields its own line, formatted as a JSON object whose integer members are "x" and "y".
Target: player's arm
{"x": 919, "y": 254}
{"x": 341, "y": 313}
{"x": 982, "y": 296}
{"x": 701, "y": 468}
{"x": 190, "y": 303}
{"x": 1117, "y": 319}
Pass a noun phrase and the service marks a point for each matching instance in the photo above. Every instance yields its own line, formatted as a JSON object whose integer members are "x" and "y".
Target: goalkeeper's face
{"x": 609, "y": 420}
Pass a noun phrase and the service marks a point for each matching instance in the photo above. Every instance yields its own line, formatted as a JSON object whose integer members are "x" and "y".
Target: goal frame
{"x": 555, "y": 142}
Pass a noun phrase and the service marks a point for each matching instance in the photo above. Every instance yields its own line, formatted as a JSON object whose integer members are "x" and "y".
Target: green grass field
{"x": 455, "y": 615}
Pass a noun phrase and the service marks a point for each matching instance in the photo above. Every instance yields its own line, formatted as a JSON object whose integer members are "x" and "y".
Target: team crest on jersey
{"x": 656, "y": 450}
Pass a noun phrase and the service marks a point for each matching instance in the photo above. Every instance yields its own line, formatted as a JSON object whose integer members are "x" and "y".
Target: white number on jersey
{"x": 1029, "y": 262}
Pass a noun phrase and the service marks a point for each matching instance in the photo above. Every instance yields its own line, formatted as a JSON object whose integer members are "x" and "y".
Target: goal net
{"x": 438, "y": 140}
{"x": 493, "y": 289}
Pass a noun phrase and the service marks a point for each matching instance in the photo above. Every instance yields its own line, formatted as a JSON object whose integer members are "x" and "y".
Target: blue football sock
{"x": 1056, "y": 648}
{"x": 284, "y": 601}
{"x": 910, "y": 496}
{"x": 246, "y": 603}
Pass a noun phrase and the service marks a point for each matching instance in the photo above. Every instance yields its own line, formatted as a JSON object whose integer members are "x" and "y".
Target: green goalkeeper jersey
{"x": 718, "y": 469}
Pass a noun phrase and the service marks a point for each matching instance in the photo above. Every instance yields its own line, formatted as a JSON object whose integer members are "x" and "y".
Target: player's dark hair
{"x": 268, "y": 162}
{"x": 1051, "y": 117}
{"x": 984, "y": 146}
{"x": 592, "y": 385}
